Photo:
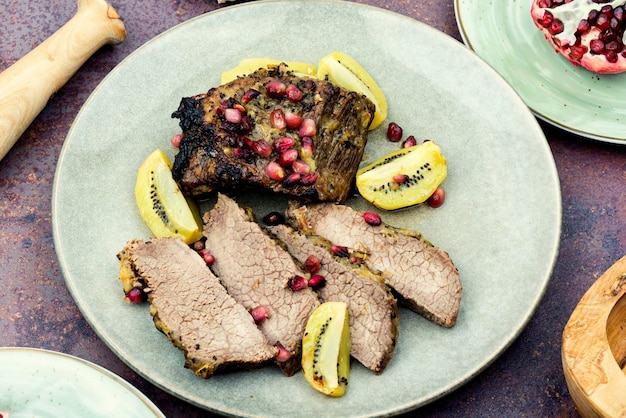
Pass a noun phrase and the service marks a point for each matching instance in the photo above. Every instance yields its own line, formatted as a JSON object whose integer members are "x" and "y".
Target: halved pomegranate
{"x": 589, "y": 33}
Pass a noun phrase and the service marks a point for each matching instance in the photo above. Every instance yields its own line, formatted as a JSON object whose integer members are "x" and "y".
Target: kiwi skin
{"x": 420, "y": 170}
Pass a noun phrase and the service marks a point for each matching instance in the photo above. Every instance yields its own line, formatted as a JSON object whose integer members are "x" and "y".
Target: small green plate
{"x": 569, "y": 97}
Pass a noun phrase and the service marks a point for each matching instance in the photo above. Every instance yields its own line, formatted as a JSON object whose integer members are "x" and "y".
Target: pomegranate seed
{"x": 273, "y": 218}
{"x": 242, "y": 153}
{"x": 208, "y": 258}
{"x": 547, "y": 19}
{"x": 297, "y": 283}
{"x": 260, "y": 313}
{"x": 309, "y": 179}
{"x": 596, "y": 46}
{"x": 316, "y": 281}
{"x": 556, "y": 27}
{"x": 394, "y": 132}
{"x": 409, "y": 142}
{"x": 292, "y": 178}
{"x": 307, "y": 147}
{"x": 294, "y": 94}
{"x": 276, "y": 89}
{"x": 135, "y": 295}
{"x": 262, "y": 147}
{"x": 293, "y": 120}
{"x": 603, "y": 22}
{"x": 437, "y": 198}
{"x": 353, "y": 259}
{"x": 283, "y": 354}
{"x": 283, "y": 144}
{"x": 340, "y": 250}
{"x": 583, "y": 26}
{"x": 232, "y": 115}
{"x": 288, "y": 157}
{"x": 372, "y": 218}
{"x": 275, "y": 171}
{"x": 400, "y": 178}
{"x": 277, "y": 119}
{"x": 312, "y": 264}
{"x": 308, "y": 128}
{"x": 175, "y": 140}
{"x": 300, "y": 167}
{"x": 249, "y": 95}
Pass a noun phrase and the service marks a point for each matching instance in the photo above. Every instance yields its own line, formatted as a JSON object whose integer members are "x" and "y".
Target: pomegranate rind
{"x": 346, "y": 72}
{"x": 249, "y": 65}
{"x": 562, "y": 43}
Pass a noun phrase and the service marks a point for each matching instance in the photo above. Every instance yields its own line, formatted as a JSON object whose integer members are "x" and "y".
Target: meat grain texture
{"x": 192, "y": 308}
{"x": 255, "y": 271}
{"x": 372, "y": 309}
{"x": 423, "y": 275}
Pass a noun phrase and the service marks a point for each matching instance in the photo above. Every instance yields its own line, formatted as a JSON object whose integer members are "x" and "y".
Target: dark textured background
{"x": 36, "y": 309}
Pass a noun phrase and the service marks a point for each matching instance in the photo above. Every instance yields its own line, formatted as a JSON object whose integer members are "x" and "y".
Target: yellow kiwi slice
{"x": 326, "y": 349}
{"x": 402, "y": 178}
{"x": 161, "y": 204}
{"x": 250, "y": 65}
{"x": 346, "y": 72}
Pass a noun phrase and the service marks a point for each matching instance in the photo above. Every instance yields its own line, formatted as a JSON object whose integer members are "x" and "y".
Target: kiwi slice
{"x": 402, "y": 178}
{"x": 164, "y": 208}
{"x": 345, "y": 71}
{"x": 250, "y": 65}
{"x": 326, "y": 349}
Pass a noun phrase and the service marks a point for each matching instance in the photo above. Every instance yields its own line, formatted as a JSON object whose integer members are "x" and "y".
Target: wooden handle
{"x": 27, "y": 85}
{"x": 594, "y": 347}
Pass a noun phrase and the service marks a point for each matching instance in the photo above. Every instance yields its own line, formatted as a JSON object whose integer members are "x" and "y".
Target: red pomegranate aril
{"x": 283, "y": 354}
{"x": 394, "y": 132}
{"x": 316, "y": 281}
{"x": 276, "y": 89}
{"x": 275, "y": 171}
{"x": 409, "y": 142}
{"x": 208, "y": 258}
{"x": 232, "y": 115}
{"x": 135, "y": 295}
{"x": 294, "y": 94}
{"x": 297, "y": 283}
{"x": 249, "y": 95}
{"x": 437, "y": 198}
{"x": 400, "y": 178}
{"x": 556, "y": 27}
{"x": 260, "y": 313}
{"x": 312, "y": 264}
{"x": 596, "y": 46}
{"x": 175, "y": 140}
{"x": 308, "y": 128}
{"x": 283, "y": 144}
{"x": 262, "y": 148}
{"x": 309, "y": 179}
{"x": 287, "y": 158}
{"x": 372, "y": 218}
{"x": 292, "y": 178}
{"x": 306, "y": 150}
{"x": 300, "y": 167}
{"x": 583, "y": 26}
{"x": 293, "y": 120}
{"x": 340, "y": 250}
{"x": 277, "y": 119}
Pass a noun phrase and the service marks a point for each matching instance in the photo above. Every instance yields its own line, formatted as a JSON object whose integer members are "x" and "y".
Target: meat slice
{"x": 255, "y": 270}
{"x": 423, "y": 275}
{"x": 229, "y": 153}
{"x": 192, "y": 308}
{"x": 372, "y": 309}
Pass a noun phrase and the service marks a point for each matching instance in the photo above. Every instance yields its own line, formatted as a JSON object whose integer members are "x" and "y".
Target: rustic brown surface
{"x": 36, "y": 309}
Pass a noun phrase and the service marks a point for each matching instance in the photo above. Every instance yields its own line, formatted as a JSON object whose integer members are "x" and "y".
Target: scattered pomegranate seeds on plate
{"x": 510, "y": 241}
{"x": 569, "y": 97}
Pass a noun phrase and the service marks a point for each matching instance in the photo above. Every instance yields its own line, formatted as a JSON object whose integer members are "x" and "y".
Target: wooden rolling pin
{"x": 27, "y": 85}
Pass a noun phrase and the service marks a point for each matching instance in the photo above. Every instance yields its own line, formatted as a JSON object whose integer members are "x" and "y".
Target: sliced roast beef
{"x": 423, "y": 275}
{"x": 234, "y": 132}
{"x": 193, "y": 309}
{"x": 255, "y": 270}
{"x": 372, "y": 309}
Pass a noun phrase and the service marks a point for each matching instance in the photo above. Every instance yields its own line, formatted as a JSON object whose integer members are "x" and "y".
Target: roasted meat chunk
{"x": 372, "y": 309}
{"x": 423, "y": 275}
{"x": 192, "y": 308}
{"x": 256, "y": 271}
{"x": 272, "y": 130}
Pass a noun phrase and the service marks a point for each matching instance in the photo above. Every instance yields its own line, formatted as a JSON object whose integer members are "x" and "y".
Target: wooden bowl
{"x": 594, "y": 347}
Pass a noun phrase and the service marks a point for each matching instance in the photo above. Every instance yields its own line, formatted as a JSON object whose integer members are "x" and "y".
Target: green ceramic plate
{"x": 500, "y": 222}
{"x": 574, "y": 99}
{"x": 48, "y": 384}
